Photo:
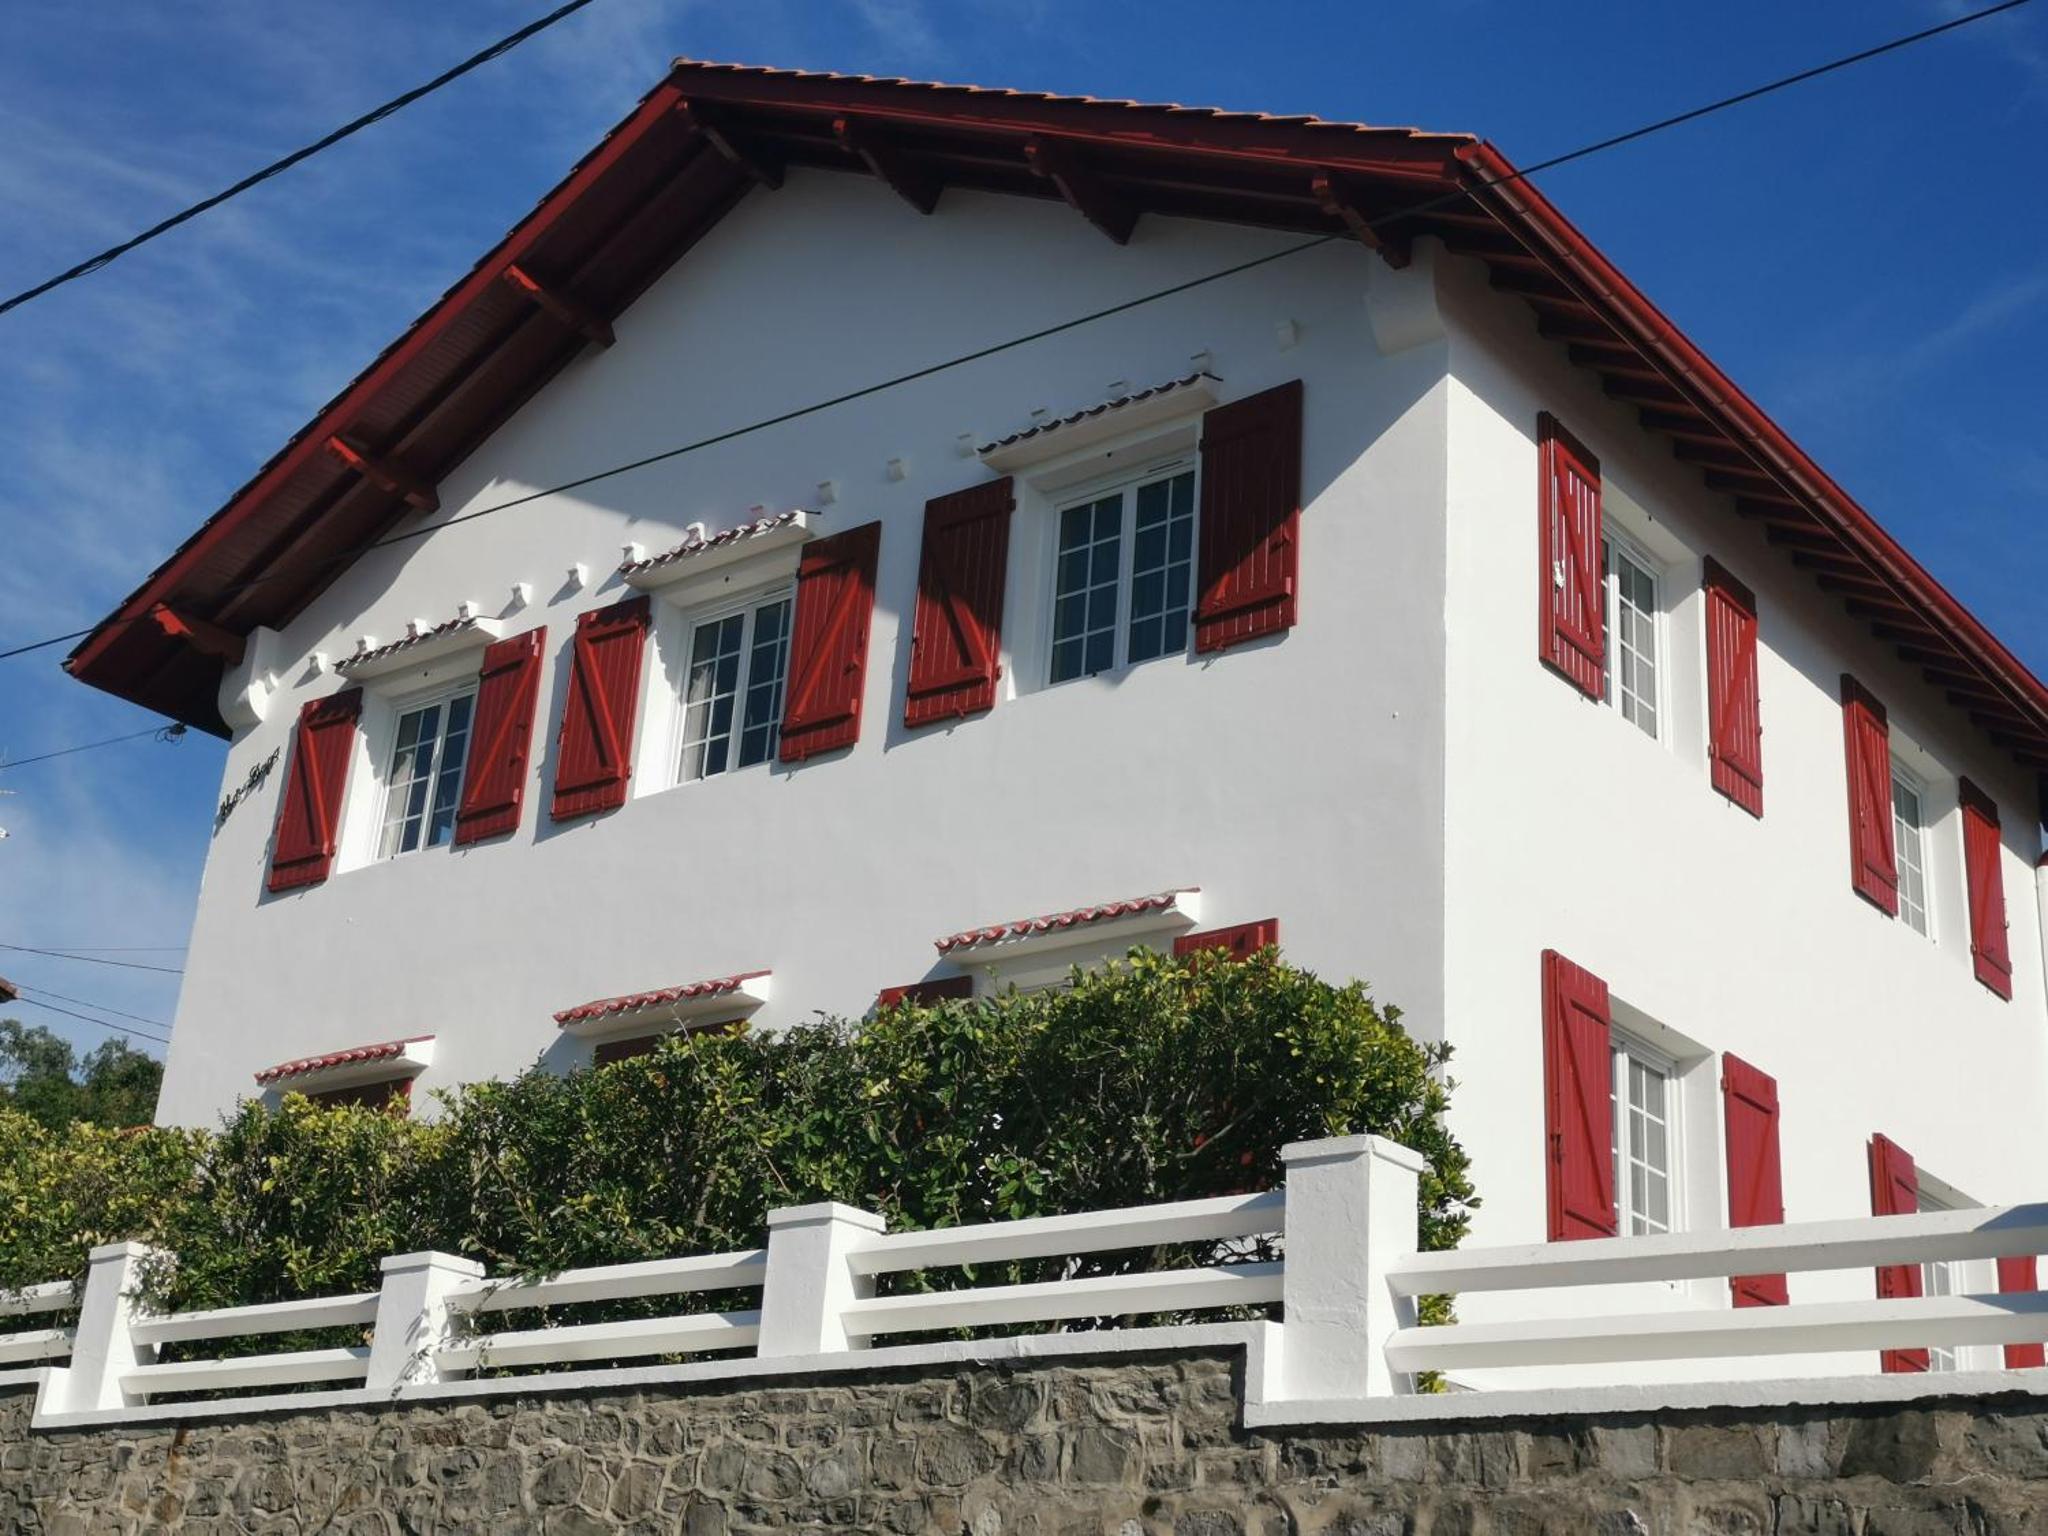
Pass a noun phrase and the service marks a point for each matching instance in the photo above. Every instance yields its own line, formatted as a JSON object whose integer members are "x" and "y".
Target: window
{"x": 1123, "y": 578}
{"x": 1645, "y": 1099}
{"x": 732, "y": 693}
{"x": 1631, "y": 629}
{"x": 1909, "y": 845}
{"x": 425, "y": 778}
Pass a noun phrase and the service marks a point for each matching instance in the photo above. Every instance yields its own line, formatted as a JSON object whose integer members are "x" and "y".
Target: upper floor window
{"x": 1909, "y": 843}
{"x": 1631, "y": 627}
{"x": 732, "y": 693}
{"x": 1123, "y": 576}
{"x": 1645, "y": 1111}
{"x": 424, "y": 782}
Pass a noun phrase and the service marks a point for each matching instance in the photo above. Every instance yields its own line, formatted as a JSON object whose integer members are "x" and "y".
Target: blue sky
{"x": 1867, "y": 256}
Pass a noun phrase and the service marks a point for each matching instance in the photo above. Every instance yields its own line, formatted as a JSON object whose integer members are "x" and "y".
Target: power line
{"x": 119, "y": 1029}
{"x": 917, "y": 374}
{"x": 126, "y": 965}
{"x": 87, "y": 1003}
{"x": 119, "y": 949}
{"x": 277, "y": 167}
{"x": 172, "y": 732}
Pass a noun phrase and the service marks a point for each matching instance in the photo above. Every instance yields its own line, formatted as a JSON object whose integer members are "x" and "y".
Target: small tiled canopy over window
{"x": 378, "y": 1075}
{"x": 632, "y": 1023}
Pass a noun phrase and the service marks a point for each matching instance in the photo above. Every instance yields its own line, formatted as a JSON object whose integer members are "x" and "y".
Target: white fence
{"x": 1345, "y": 1291}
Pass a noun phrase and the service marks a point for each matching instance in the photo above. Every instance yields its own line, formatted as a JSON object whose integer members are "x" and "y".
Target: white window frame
{"x": 1616, "y": 541}
{"x": 1626, "y": 1048}
{"x": 444, "y": 695}
{"x": 1903, "y": 777}
{"x": 747, "y": 603}
{"x": 1956, "y": 1277}
{"x": 1126, "y": 485}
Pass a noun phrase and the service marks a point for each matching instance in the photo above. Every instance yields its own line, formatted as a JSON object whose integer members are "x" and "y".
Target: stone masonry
{"x": 1146, "y": 1446}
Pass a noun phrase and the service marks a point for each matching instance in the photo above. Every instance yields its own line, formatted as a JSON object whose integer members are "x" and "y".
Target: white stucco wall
{"x": 1568, "y": 828}
{"x": 1300, "y": 777}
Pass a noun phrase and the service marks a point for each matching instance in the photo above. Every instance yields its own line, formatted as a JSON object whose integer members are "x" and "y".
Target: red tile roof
{"x": 1086, "y": 412}
{"x": 710, "y": 133}
{"x": 696, "y": 546}
{"x": 1024, "y": 927}
{"x": 379, "y": 652}
{"x": 634, "y": 1002}
{"x": 381, "y": 1051}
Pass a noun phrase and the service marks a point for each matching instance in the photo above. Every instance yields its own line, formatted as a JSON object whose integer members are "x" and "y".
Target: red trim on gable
{"x": 659, "y": 181}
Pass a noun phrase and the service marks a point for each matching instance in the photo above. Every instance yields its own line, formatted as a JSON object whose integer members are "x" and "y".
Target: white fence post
{"x": 103, "y": 1346}
{"x": 808, "y": 1280}
{"x": 414, "y": 1319}
{"x": 1350, "y": 1215}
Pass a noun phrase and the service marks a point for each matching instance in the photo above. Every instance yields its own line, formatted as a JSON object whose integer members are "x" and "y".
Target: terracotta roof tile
{"x": 418, "y": 637}
{"x": 1086, "y": 412}
{"x": 696, "y": 546}
{"x": 634, "y": 1002}
{"x": 381, "y": 1051}
{"x": 973, "y": 938}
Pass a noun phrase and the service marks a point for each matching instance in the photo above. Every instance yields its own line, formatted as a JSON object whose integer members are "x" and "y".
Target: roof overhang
{"x": 692, "y": 1004}
{"x": 1123, "y": 922}
{"x": 710, "y": 133}
{"x": 386, "y": 1061}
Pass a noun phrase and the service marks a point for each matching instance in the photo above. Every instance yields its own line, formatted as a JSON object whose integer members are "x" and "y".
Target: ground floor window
{"x": 1645, "y": 1097}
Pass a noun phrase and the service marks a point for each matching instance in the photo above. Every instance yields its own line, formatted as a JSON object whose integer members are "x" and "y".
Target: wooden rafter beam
{"x": 1795, "y": 537}
{"x": 1640, "y": 391}
{"x": 916, "y": 185}
{"x": 763, "y": 169}
{"x": 1753, "y": 484}
{"x": 1681, "y": 424}
{"x": 1618, "y": 366}
{"x": 1587, "y": 333}
{"x": 577, "y": 317}
{"x": 1537, "y": 285}
{"x": 203, "y": 635}
{"x": 384, "y": 474}
{"x": 1087, "y": 194}
{"x": 1338, "y": 202}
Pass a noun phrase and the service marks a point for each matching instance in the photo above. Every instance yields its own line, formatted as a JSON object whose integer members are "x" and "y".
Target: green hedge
{"x": 1160, "y": 1080}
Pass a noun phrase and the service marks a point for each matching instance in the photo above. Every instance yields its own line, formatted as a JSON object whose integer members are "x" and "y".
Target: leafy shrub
{"x": 1158, "y": 1080}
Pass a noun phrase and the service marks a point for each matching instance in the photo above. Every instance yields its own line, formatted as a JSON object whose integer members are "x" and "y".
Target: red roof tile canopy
{"x": 639, "y": 1002}
{"x": 710, "y": 132}
{"x": 355, "y": 1055}
{"x": 1051, "y": 922}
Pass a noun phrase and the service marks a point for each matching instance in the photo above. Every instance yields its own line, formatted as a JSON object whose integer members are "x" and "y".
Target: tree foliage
{"x": 42, "y": 1077}
{"x": 1162, "y": 1079}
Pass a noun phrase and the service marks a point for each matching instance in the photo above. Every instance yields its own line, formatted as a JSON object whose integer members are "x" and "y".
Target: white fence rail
{"x": 1345, "y": 1288}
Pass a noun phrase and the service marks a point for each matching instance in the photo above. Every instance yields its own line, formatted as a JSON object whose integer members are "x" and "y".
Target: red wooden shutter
{"x": 1240, "y": 942}
{"x": 1735, "y": 731}
{"x": 939, "y": 991}
{"x": 1578, "y": 1100}
{"x": 1984, "y": 872}
{"x": 1895, "y": 1191}
{"x": 1756, "y": 1197}
{"x": 1572, "y": 605}
{"x": 1867, "y": 746}
{"x": 2017, "y": 1273}
{"x": 501, "y": 737}
{"x": 302, "y": 852}
{"x": 1250, "y": 532}
{"x": 593, "y": 751}
{"x": 956, "y": 636}
{"x": 828, "y": 648}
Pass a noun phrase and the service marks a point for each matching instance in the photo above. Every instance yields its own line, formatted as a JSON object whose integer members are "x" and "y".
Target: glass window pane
{"x": 1161, "y": 566}
{"x": 708, "y": 694}
{"x": 1086, "y": 575}
{"x": 1910, "y": 848}
{"x": 453, "y": 755}
{"x": 767, "y": 668}
{"x": 1631, "y": 684}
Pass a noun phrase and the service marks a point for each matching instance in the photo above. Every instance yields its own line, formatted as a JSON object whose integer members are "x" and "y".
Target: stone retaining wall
{"x": 1109, "y": 1447}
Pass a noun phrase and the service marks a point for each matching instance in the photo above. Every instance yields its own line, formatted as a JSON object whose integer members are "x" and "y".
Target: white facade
{"x": 1397, "y": 779}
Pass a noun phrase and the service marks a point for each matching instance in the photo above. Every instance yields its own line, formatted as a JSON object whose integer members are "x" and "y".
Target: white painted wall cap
{"x": 1330, "y": 1149}
{"x": 826, "y": 1211}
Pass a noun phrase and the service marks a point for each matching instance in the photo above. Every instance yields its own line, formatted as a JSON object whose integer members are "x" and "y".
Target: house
{"x": 1354, "y": 559}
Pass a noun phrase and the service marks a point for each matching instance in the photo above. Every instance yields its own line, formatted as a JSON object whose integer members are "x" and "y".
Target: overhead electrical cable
{"x": 126, "y": 965}
{"x": 917, "y": 374}
{"x": 119, "y": 1029}
{"x": 171, "y": 732}
{"x": 82, "y": 1002}
{"x": 93, "y": 264}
